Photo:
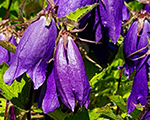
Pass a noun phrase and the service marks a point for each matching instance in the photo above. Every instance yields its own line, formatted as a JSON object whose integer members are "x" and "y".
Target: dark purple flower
{"x": 66, "y": 6}
{"x": 132, "y": 44}
{"x": 5, "y": 55}
{"x": 111, "y": 16}
{"x": 147, "y": 8}
{"x": 12, "y": 113}
{"x": 139, "y": 88}
{"x": 125, "y": 13}
{"x": 50, "y": 101}
{"x": 70, "y": 75}
{"x": 34, "y": 50}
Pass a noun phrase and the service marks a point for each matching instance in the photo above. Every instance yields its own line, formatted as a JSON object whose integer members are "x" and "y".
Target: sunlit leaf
{"x": 81, "y": 12}
{"x": 97, "y": 112}
{"x": 17, "y": 92}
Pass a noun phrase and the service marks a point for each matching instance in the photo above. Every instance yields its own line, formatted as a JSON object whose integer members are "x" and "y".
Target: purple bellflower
{"x": 112, "y": 16}
{"x": 50, "y": 101}
{"x": 133, "y": 43}
{"x": 12, "y": 113}
{"x": 34, "y": 50}
{"x": 70, "y": 75}
{"x": 104, "y": 22}
{"x": 5, "y": 55}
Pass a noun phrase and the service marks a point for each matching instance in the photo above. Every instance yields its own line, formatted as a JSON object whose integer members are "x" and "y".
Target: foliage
{"x": 109, "y": 87}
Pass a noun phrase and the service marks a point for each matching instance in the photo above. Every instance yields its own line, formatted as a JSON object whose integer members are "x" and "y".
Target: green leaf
{"x": 79, "y": 116}
{"x": 135, "y": 5}
{"x": 104, "y": 111}
{"x": 81, "y": 12}
{"x": 17, "y": 92}
{"x": 58, "y": 114}
{"x": 2, "y": 108}
{"x": 119, "y": 101}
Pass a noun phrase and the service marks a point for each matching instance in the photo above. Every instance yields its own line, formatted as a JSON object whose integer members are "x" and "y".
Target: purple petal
{"x": 66, "y": 6}
{"x": 50, "y": 101}
{"x": 147, "y": 8}
{"x": 132, "y": 43}
{"x": 125, "y": 13}
{"x": 77, "y": 74}
{"x": 93, "y": 30}
{"x": 62, "y": 77}
{"x": 139, "y": 89}
{"x": 71, "y": 79}
{"x": 12, "y": 113}
{"x": 5, "y": 55}
{"x": 111, "y": 15}
{"x": 34, "y": 49}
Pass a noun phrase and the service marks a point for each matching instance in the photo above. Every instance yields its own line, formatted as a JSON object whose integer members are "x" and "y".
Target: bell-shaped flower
{"x": 50, "y": 101}
{"x": 70, "y": 75}
{"x": 133, "y": 43}
{"x": 5, "y": 55}
{"x": 134, "y": 47}
{"x": 139, "y": 89}
{"x": 34, "y": 50}
{"x": 112, "y": 16}
{"x": 46, "y": 95}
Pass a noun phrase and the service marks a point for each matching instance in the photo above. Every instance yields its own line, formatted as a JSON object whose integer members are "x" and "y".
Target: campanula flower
{"x": 50, "y": 101}
{"x": 139, "y": 88}
{"x": 132, "y": 44}
{"x": 34, "y": 50}
{"x": 70, "y": 75}
{"x": 112, "y": 16}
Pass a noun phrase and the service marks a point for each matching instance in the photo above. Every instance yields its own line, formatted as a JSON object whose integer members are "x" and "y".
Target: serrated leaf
{"x": 97, "y": 112}
{"x": 17, "y": 92}
{"x": 2, "y": 108}
{"x": 81, "y": 12}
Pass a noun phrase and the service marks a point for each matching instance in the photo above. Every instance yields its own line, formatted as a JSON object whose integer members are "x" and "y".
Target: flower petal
{"x": 63, "y": 81}
{"x": 111, "y": 15}
{"x": 34, "y": 49}
{"x": 77, "y": 74}
{"x": 67, "y": 6}
{"x": 139, "y": 89}
{"x": 50, "y": 101}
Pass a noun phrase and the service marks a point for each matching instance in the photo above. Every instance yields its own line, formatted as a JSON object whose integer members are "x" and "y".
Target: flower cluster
{"x": 64, "y": 79}
{"x": 67, "y": 80}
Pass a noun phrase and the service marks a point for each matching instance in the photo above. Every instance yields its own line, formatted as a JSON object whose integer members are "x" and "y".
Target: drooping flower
{"x": 132, "y": 44}
{"x": 5, "y": 55}
{"x": 139, "y": 88}
{"x": 12, "y": 113}
{"x": 34, "y": 50}
{"x": 50, "y": 101}
{"x": 112, "y": 16}
{"x": 70, "y": 75}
